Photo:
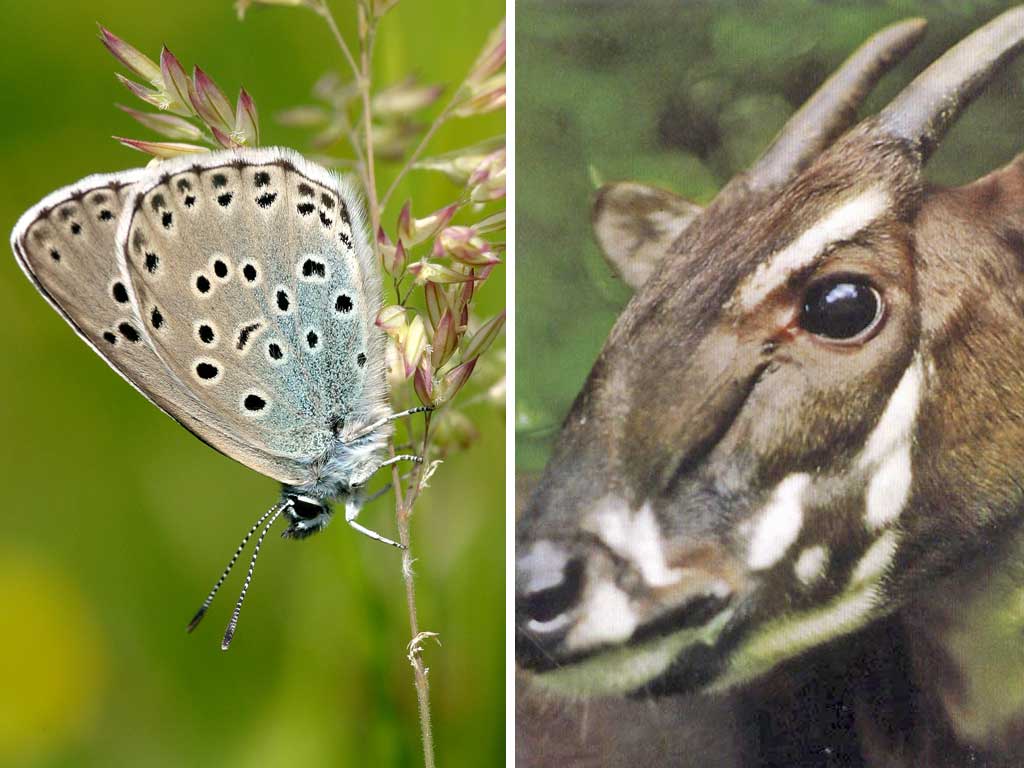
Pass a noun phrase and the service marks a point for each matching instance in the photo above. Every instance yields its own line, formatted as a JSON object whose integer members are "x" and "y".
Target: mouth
{"x": 651, "y": 655}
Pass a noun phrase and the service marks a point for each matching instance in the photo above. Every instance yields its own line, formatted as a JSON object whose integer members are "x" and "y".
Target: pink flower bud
{"x": 137, "y": 62}
{"x": 428, "y": 272}
{"x": 423, "y": 385}
{"x": 405, "y": 98}
{"x": 464, "y": 245}
{"x": 175, "y": 81}
{"x": 414, "y": 345}
{"x": 161, "y": 149}
{"x": 446, "y": 340}
{"x": 454, "y": 380}
{"x": 489, "y": 97}
{"x": 491, "y": 58}
{"x": 172, "y": 126}
{"x": 391, "y": 320}
{"x": 210, "y": 102}
{"x": 484, "y": 337}
{"x": 394, "y": 257}
{"x": 247, "y": 122}
{"x": 436, "y": 303}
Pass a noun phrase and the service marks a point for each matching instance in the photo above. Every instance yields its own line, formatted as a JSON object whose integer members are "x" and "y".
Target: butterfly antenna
{"x": 230, "y": 631}
{"x": 234, "y": 559}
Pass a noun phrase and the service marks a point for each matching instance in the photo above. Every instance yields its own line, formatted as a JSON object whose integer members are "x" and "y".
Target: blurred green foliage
{"x": 117, "y": 521}
{"x": 681, "y": 95}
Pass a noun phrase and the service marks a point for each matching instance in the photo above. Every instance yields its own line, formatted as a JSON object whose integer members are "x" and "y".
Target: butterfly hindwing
{"x": 258, "y": 264}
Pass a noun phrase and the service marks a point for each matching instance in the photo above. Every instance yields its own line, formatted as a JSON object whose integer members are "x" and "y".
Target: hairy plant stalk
{"x": 404, "y": 502}
{"x": 403, "y": 515}
{"x": 366, "y": 47}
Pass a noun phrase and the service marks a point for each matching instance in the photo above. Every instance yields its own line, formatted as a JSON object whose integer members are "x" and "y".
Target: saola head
{"x": 797, "y": 420}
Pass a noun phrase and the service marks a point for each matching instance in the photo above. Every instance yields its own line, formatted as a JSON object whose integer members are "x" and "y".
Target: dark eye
{"x": 305, "y": 510}
{"x": 841, "y": 308}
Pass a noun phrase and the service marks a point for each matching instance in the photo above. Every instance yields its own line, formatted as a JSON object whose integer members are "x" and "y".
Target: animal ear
{"x": 636, "y": 225}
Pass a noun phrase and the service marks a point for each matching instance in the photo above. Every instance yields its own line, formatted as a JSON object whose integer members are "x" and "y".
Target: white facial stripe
{"x": 876, "y": 560}
{"x": 841, "y": 223}
{"x": 810, "y": 566}
{"x": 785, "y": 638}
{"x": 634, "y": 537}
{"x": 887, "y": 452}
{"x": 607, "y": 618}
{"x": 888, "y": 490}
{"x": 779, "y": 523}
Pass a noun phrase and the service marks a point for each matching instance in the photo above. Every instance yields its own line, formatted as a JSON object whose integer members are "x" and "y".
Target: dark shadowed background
{"x": 117, "y": 521}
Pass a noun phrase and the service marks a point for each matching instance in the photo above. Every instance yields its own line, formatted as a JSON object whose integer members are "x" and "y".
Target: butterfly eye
{"x": 305, "y": 509}
{"x": 844, "y": 309}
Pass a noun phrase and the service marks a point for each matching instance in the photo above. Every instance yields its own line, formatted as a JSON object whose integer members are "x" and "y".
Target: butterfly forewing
{"x": 66, "y": 245}
{"x": 266, "y": 291}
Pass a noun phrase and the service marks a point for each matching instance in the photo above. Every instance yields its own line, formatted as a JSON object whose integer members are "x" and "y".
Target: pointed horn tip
{"x": 195, "y": 620}
{"x": 226, "y": 642}
{"x": 916, "y": 25}
{"x": 927, "y": 107}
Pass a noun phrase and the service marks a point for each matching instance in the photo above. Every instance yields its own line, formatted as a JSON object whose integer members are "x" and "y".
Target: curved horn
{"x": 833, "y": 107}
{"x": 925, "y": 109}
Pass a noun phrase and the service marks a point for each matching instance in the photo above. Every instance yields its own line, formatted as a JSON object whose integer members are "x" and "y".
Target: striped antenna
{"x": 234, "y": 558}
{"x": 230, "y": 631}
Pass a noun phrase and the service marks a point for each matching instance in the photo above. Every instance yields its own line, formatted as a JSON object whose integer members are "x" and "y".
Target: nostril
{"x": 551, "y": 603}
{"x": 549, "y": 582}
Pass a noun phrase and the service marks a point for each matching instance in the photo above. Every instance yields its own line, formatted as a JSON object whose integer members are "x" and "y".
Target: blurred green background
{"x": 681, "y": 95}
{"x": 117, "y": 521}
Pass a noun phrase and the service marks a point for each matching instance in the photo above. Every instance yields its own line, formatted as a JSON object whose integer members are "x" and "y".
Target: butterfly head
{"x": 306, "y": 515}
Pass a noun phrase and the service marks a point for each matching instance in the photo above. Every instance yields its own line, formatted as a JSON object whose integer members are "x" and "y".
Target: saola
{"x": 806, "y": 430}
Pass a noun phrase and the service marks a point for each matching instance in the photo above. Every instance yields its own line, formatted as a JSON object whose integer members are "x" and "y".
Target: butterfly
{"x": 237, "y": 291}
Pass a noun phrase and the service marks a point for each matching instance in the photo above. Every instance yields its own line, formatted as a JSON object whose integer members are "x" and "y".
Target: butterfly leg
{"x": 401, "y": 457}
{"x": 381, "y": 422}
{"x": 352, "y": 509}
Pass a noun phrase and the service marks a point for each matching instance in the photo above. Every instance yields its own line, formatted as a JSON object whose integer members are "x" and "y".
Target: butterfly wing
{"x": 66, "y": 246}
{"x": 258, "y": 263}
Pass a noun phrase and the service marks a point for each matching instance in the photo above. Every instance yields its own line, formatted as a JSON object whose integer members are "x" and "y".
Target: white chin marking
{"x": 635, "y": 537}
{"x": 779, "y": 523}
{"x": 608, "y": 618}
{"x": 624, "y": 670}
{"x": 810, "y": 565}
{"x": 886, "y": 454}
{"x": 841, "y": 223}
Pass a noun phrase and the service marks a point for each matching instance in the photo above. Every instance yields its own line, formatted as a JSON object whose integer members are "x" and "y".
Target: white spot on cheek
{"x": 810, "y": 566}
{"x": 887, "y": 452}
{"x": 634, "y": 537}
{"x": 841, "y": 223}
{"x": 607, "y": 618}
{"x": 779, "y": 524}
